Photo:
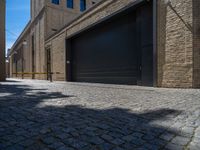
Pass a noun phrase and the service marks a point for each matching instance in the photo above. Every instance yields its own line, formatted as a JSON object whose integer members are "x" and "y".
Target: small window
{"x": 70, "y": 4}
{"x": 55, "y": 2}
{"x": 82, "y": 5}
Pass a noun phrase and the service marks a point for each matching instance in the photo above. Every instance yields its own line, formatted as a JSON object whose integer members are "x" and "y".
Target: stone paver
{"x": 79, "y": 116}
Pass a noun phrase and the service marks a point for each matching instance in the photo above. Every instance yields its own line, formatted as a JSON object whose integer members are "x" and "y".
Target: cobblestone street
{"x": 38, "y": 115}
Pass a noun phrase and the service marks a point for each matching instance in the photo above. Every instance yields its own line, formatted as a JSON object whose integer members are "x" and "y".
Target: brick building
{"x": 137, "y": 42}
{"x": 28, "y": 54}
{"x": 2, "y": 40}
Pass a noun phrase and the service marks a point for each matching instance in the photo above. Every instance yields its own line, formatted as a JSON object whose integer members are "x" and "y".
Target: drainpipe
{"x": 155, "y": 71}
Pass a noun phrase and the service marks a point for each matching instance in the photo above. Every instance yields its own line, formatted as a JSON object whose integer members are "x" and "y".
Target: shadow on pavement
{"x": 33, "y": 119}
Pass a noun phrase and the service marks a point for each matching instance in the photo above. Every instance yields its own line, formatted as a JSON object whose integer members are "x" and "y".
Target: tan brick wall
{"x": 60, "y": 15}
{"x": 57, "y": 18}
{"x": 39, "y": 30}
{"x": 175, "y": 44}
{"x": 36, "y": 7}
{"x": 26, "y": 53}
{"x": 100, "y": 12}
{"x": 57, "y": 48}
{"x": 2, "y": 40}
{"x": 26, "y": 57}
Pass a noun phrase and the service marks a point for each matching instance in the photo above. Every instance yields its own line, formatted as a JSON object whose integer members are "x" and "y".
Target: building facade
{"x": 137, "y": 42}
{"x": 2, "y": 40}
{"x": 28, "y": 54}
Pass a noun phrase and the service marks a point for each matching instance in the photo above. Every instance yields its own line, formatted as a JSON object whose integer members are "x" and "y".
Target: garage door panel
{"x": 147, "y": 65}
{"x": 109, "y": 80}
{"x": 106, "y": 73}
{"x": 116, "y": 50}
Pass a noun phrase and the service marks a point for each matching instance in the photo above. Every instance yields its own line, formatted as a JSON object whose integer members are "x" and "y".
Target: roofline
{"x": 21, "y": 34}
{"x": 27, "y": 27}
{"x": 30, "y": 23}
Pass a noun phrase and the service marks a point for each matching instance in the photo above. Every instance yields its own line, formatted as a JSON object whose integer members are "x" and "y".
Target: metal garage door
{"x": 118, "y": 50}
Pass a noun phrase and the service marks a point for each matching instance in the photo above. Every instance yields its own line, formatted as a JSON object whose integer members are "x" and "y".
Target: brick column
{"x": 175, "y": 43}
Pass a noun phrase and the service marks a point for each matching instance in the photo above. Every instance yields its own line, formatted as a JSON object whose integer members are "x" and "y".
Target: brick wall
{"x": 60, "y": 15}
{"x": 57, "y": 48}
{"x": 39, "y": 32}
{"x": 36, "y": 7}
{"x": 175, "y": 44}
{"x": 57, "y": 18}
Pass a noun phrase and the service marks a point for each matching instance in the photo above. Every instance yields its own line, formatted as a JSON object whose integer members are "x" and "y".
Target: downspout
{"x": 155, "y": 59}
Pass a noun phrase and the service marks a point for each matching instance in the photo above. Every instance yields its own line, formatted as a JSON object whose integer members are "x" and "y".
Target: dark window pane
{"x": 70, "y": 4}
{"x": 82, "y": 5}
{"x": 55, "y": 2}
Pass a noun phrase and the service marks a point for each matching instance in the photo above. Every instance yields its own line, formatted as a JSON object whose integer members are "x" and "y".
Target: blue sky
{"x": 17, "y": 16}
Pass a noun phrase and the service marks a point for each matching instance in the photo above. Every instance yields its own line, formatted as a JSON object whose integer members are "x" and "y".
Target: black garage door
{"x": 118, "y": 50}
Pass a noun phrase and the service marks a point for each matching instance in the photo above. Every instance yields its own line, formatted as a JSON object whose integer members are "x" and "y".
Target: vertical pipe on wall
{"x": 155, "y": 84}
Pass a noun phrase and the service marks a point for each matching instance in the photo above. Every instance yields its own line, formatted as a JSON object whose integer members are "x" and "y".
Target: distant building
{"x": 137, "y": 42}
{"x": 2, "y": 40}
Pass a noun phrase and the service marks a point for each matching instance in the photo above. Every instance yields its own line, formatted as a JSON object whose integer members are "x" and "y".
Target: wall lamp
{"x": 24, "y": 42}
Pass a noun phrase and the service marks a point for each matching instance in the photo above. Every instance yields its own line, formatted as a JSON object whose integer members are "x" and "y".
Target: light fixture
{"x": 24, "y": 42}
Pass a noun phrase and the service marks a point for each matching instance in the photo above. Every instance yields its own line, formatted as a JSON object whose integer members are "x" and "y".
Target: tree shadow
{"x": 38, "y": 119}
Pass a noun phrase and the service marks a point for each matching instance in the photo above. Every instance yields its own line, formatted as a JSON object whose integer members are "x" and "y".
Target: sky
{"x": 17, "y": 16}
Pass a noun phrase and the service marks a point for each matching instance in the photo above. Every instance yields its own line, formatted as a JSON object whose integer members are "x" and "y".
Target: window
{"x": 55, "y": 2}
{"x": 70, "y": 4}
{"x": 82, "y": 5}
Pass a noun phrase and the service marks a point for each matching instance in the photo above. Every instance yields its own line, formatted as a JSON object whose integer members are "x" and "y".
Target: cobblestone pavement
{"x": 38, "y": 115}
